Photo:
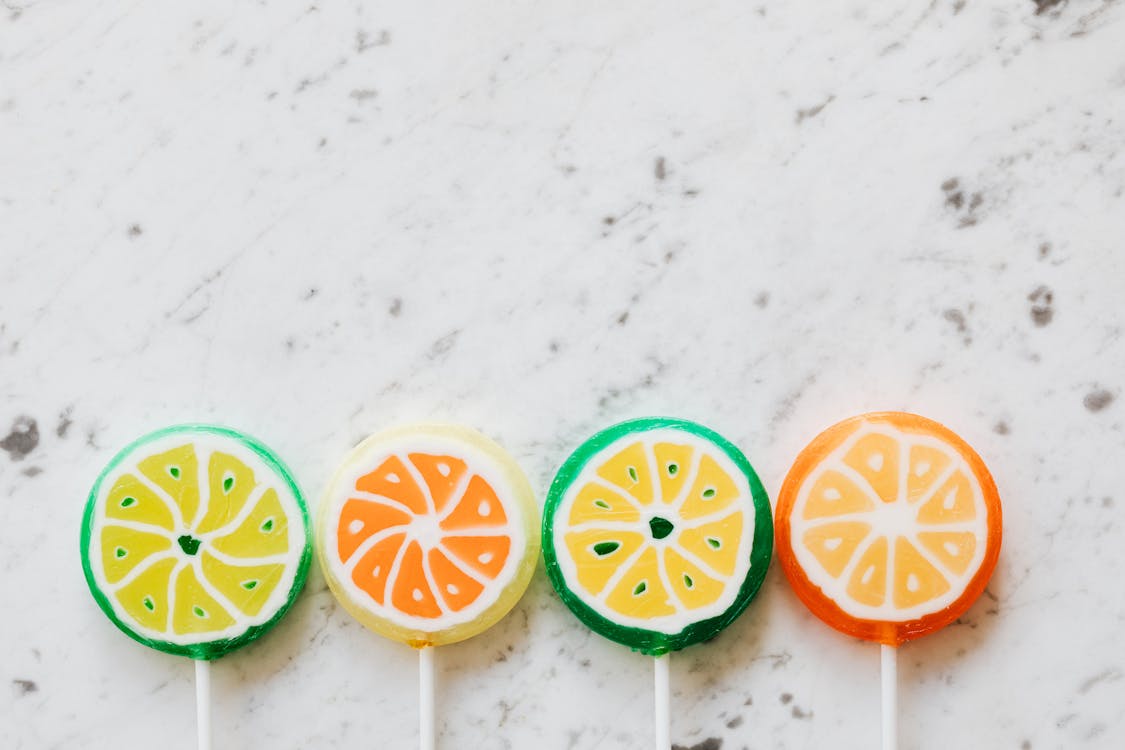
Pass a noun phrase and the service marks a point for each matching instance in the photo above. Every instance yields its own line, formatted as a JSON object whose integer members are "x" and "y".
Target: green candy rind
{"x": 651, "y": 642}
{"x": 212, "y": 649}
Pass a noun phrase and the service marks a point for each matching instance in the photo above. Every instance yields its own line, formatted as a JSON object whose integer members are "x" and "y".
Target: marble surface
{"x": 314, "y": 221}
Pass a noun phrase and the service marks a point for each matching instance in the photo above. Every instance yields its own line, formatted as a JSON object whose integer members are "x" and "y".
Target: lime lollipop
{"x": 657, "y": 535}
{"x": 195, "y": 542}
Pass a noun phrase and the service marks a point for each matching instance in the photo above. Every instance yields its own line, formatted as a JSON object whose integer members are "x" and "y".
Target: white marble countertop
{"x": 311, "y": 222}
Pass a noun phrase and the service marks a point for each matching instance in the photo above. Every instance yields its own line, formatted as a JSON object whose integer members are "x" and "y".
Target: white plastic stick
{"x": 890, "y": 696}
{"x": 203, "y": 703}
{"x": 663, "y": 701}
{"x": 426, "y": 698}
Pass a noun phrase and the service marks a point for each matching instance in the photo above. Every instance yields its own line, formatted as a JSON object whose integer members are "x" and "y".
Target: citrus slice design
{"x": 427, "y": 534}
{"x": 888, "y": 526}
{"x": 195, "y": 540}
{"x": 657, "y": 533}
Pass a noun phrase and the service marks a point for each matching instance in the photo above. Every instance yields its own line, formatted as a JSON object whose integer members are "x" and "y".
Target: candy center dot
{"x": 189, "y": 544}
{"x": 660, "y": 527}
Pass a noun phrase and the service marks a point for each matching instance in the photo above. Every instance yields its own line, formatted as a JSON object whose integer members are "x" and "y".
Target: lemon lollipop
{"x": 195, "y": 542}
{"x": 657, "y": 534}
{"x": 888, "y": 529}
{"x": 428, "y": 534}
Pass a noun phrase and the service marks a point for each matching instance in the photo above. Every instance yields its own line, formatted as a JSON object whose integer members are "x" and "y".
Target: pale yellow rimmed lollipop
{"x": 428, "y": 534}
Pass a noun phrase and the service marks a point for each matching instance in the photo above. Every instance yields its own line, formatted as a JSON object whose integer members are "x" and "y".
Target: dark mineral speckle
{"x": 64, "y": 422}
{"x": 1042, "y": 6}
{"x": 1097, "y": 399}
{"x": 1042, "y": 305}
{"x": 711, "y": 743}
{"x": 24, "y": 687}
{"x": 22, "y": 439}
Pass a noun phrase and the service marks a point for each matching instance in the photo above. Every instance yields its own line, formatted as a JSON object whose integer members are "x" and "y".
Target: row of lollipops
{"x": 656, "y": 533}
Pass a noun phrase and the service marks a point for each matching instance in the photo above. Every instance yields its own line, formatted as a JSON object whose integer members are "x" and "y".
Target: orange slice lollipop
{"x": 888, "y": 526}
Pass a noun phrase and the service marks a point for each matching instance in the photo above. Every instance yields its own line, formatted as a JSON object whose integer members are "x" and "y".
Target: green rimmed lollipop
{"x": 657, "y": 533}
{"x": 195, "y": 540}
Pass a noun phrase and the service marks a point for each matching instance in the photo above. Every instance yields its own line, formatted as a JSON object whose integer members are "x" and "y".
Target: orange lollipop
{"x": 888, "y": 528}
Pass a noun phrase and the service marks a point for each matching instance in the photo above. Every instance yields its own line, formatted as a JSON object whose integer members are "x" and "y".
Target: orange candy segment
{"x": 374, "y": 568}
{"x": 888, "y": 526}
{"x": 360, "y": 519}
{"x": 393, "y": 480}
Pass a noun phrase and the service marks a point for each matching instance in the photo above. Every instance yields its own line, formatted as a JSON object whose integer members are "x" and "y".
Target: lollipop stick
{"x": 203, "y": 703}
{"x": 890, "y": 696}
{"x": 663, "y": 699}
{"x": 426, "y": 697}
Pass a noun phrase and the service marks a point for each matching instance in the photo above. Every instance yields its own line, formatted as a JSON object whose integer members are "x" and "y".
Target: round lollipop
{"x": 657, "y": 534}
{"x": 195, "y": 542}
{"x": 427, "y": 534}
{"x": 888, "y": 528}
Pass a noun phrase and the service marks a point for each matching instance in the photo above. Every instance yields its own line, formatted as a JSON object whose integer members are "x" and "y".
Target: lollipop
{"x": 427, "y": 534}
{"x": 195, "y": 543}
{"x": 888, "y": 528}
{"x": 657, "y": 534}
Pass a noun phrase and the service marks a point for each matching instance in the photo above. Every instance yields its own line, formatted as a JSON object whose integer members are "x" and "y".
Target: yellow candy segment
{"x": 628, "y": 470}
{"x": 176, "y": 472}
{"x": 247, "y": 587}
{"x": 690, "y": 584}
{"x": 124, "y": 549}
{"x": 263, "y": 533}
{"x": 916, "y": 580}
{"x": 673, "y": 462}
{"x": 952, "y": 503}
{"x": 712, "y": 491}
{"x": 131, "y": 500}
{"x": 835, "y": 494}
{"x": 833, "y": 544}
{"x": 230, "y": 483}
{"x": 596, "y": 502}
{"x": 196, "y": 611}
{"x": 876, "y": 458}
{"x": 716, "y": 543}
{"x": 868, "y": 584}
{"x": 598, "y": 553}
{"x": 926, "y": 465}
{"x": 955, "y": 549}
{"x": 145, "y": 598}
{"x": 640, "y": 592}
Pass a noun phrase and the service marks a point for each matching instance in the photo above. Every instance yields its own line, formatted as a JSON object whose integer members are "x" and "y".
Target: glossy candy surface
{"x": 427, "y": 534}
{"x": 195, "y": 540}
{"x": 888, "y": 526}
{"x": 657, "y": 533}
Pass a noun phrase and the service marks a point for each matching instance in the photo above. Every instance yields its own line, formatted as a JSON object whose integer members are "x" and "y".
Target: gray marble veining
{"x": 314, "y": 221}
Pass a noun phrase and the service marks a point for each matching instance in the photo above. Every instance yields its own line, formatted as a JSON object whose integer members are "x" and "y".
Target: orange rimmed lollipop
{"x": 888, "y": 528}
